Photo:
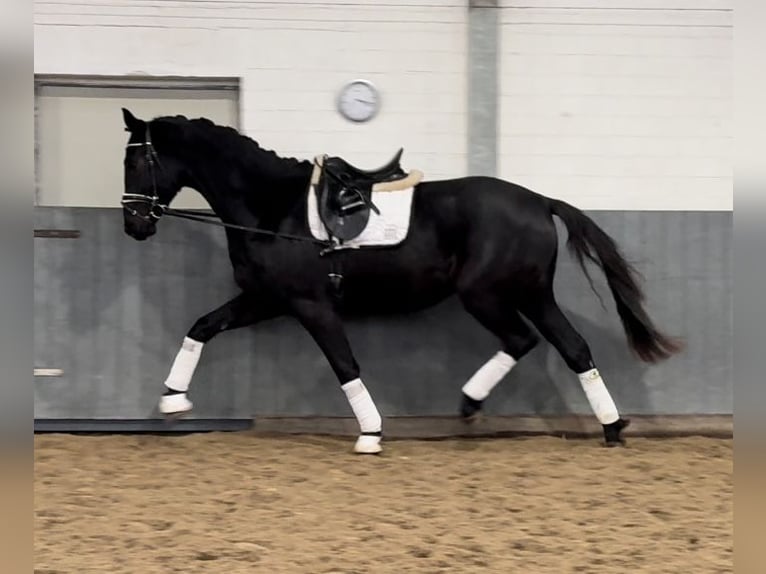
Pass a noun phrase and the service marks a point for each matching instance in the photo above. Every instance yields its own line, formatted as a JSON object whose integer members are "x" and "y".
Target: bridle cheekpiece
{"x": 156, "y": 209}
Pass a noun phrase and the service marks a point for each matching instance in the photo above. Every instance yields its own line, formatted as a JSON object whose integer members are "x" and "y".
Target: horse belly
{"x": 386, "y": 284}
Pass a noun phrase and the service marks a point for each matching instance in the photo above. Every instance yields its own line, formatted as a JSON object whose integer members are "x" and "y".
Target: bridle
{"x": 157, "y": 209}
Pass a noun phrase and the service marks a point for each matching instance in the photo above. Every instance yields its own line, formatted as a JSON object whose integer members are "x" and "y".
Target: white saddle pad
{"x": 388, "y": 228}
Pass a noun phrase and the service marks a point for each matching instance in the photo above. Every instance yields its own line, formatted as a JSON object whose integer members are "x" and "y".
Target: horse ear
{"x": 132, "y": 123}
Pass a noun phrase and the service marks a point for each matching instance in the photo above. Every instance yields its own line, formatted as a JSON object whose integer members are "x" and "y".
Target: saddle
{"x": 344, "y": 192}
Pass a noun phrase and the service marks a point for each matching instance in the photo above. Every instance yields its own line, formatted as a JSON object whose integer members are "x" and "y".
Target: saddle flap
{"x": 342, "y": 212}
{"x": 344, "y": 192}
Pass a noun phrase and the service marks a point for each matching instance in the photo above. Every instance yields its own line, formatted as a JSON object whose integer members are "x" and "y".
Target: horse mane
{"x": 231, "y": 142}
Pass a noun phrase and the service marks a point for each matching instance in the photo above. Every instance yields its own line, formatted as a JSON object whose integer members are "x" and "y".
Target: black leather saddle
{"x": 344, "y": 193}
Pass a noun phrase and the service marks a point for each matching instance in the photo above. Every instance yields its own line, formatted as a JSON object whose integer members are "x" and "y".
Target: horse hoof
{"x": 175, "y": 405}
{"x": 368, "y": 444}
{"x": 612, "y": 433}
{"x": 472, "y": 418}
{"x": 470, "y": 409}
{"x": 174, "y": 417}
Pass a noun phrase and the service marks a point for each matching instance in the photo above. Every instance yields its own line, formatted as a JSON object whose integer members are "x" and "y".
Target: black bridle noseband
{"x": 157, "y": 209}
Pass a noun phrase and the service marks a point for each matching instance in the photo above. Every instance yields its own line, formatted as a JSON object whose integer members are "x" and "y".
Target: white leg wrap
{"x": 599, "y": 398}
{"x": 484, "y": 380}
{"x": 363, "y": 406}
{"x": 185, "y": 363}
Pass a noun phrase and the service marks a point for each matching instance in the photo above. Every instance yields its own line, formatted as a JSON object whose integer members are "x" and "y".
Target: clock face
{"x": 359, "y": 101}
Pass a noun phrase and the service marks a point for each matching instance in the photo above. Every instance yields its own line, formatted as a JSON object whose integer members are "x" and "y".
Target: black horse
{"x": 490, "y": 242}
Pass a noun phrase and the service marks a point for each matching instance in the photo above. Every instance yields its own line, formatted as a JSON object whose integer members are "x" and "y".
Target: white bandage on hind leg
{"x": 363, "y": 406}
{"x": 484, "y": 380}
{"x": 599, "y": 398}
{"x": 185, "y": 363}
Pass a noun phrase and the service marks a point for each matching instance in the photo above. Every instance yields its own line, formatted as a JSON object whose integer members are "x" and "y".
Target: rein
{"x": 157, "y": 210}
{"x": 206, "y": 218}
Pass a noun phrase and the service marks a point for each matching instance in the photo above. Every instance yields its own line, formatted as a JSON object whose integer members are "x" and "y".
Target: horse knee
{"x": 205, "y": 329}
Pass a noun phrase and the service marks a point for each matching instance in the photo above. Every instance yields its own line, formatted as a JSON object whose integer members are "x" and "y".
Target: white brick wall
{"x": 292, "y": 58}
{"x": 612, "y": 104}
{"x": 619, "y": 104}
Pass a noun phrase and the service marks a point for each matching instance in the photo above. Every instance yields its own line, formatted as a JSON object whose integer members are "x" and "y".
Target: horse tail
{"x": 586, "y": 239}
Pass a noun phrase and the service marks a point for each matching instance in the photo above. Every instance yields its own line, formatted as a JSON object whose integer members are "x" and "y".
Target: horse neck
{"x": 248, "y": 189}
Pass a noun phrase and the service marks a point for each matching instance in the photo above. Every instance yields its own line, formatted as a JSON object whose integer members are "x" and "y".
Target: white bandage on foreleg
{"x": 484, "y": 380}
{"x": 599, "y": 398}
{"x": 363, "y": 406}
{"x": 184, "y": 365}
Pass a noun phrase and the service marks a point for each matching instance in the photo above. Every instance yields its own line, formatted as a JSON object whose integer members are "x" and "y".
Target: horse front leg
{"x": 325, "y": 326}
{"x": 243, "y": 310}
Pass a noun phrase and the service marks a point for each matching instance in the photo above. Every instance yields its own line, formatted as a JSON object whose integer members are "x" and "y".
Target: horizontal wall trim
{"x": 138, "y": 82}
{"x": 567, "y": 426}
{"x": 48, "y": 372}
{"x": 57, "y": 233}
{"x": 139, "y": 425}
{"x": 412, "y": 427}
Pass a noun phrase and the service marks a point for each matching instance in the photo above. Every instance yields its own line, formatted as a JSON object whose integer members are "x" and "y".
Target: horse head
{"x": 152, "y": 179}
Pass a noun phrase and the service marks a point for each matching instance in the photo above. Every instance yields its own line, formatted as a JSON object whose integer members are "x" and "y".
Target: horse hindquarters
{"x": 508, "y": 271}
{"x": 509, "y": 257}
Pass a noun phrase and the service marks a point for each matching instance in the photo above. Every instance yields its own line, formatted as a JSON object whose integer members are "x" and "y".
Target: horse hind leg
{"x": 516, "y": 338}
{"x": 546, "y": 315}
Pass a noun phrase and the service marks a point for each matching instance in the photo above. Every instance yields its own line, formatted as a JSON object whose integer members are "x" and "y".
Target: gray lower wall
{"x": 111, "y": 313}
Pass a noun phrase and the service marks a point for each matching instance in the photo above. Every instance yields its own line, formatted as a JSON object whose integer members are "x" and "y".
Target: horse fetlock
{"x": 613, "y": 432}
{"x": 470, "y": 409}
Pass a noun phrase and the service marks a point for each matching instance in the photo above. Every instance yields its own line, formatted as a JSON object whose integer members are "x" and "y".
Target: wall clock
{"x": 359, "y": 101}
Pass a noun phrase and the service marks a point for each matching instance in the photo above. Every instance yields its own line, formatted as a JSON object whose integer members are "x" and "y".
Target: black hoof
{"x": 174, "y": 417}
{"x": 470, "y": 409}
{"x": 613, "y": 433}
